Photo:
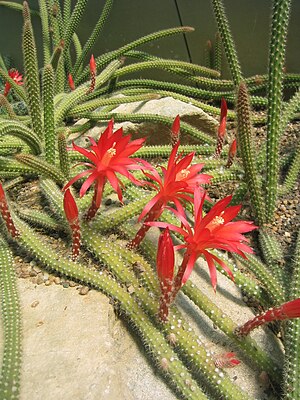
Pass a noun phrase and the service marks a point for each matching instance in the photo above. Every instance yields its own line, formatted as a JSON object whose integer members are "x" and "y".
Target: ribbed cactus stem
{"x": 272, "y": 254}
{"x": 218, "y": 53}
{"x": 63, "y": 155}
{"x": 292, "y": 174}
{"x": 292, "y": 336}
{"x": 12, "y": 328}
{"x": 94, "y": 35}
{"x": 279, "y": 28}
{"x": 80, "y": 93}
{"x": 18, "y": 129}
{"x": 271, "y": 283}
{"x": 227, "y": 40}
{"x": 45, "y": 30}
{"x": 73, "y": 23}
{"x": 41, "y": 167}
{"x": 7, "y": 107}
{"x": 208, "y": 54}
{"x": 32, "y": 84}
{"x": 108, "y": 57}
{"x": 246, "y": 146}
{"x": 48, "y": 94}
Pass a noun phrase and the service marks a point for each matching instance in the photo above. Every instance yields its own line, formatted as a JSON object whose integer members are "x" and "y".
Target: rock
{"x": 157, "y": 133}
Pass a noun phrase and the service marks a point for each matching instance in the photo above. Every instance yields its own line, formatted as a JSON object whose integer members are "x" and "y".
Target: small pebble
{"x": 57, "y": 280}
{"x": 84, "y": 290}
{"x": 35, "y": 304}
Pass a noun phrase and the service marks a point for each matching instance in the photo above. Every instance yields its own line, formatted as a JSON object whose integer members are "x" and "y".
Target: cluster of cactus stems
{"x": 36, "y": 146}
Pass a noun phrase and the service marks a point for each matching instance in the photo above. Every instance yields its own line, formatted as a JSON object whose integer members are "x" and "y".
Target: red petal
{"x": 70, "y": 206}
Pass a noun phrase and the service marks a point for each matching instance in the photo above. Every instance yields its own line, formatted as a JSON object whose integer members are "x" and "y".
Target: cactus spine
{"x": 11, "y": 320}
{"x": 279, "y": 27}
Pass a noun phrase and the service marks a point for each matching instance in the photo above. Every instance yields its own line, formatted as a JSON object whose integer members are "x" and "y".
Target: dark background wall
{"x": 130, "y": 19}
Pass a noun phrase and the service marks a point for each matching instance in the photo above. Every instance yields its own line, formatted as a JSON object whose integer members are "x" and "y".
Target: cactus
{"x": 245, "y": 142}
{"x": 32, "y": 78}
{"x": 11, "y": 321}
{"x": 280, "y": 19}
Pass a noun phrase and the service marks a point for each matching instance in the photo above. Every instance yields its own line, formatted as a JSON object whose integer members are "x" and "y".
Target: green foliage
{"x": 40, "y": 139}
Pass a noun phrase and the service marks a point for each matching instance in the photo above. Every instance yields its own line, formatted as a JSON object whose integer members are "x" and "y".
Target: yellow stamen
{"x": 218, "y": 220}
{"x": 184, "y": 173}
{"x": 112, "y": 151}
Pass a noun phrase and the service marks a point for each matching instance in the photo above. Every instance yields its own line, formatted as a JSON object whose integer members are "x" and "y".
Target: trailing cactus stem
{"x": 279, "y": 27}
{"x": 292, "y": 338}
{"x": 153, "y": 340}
{"x": 246, "y": 145}
{"x": 227, "y": 40}
{"x": 32, "y": 84}
{"x": 48, "y": 93}
{"x": 12, "y": 328}
{"x": 63, "y": 155}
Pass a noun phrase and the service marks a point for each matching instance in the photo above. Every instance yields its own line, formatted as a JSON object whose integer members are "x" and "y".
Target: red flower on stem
{"x": 110, "y": 155}
{"x": 6, "y": 214}
{"x": 213, "y": 231}
{"x": 231, "y": 154}
{"x": 71, "y": 82}
{"x": 71, "y": 212}
{"x": 165, "y": 271}
{"x": 16, "y": 76}
{"x": 176, "y": 185}
{"x": 93, "y": 72}
{"x": 226, "y": 360}
{"x": 222, "y": 128}
{"x": 175, "y": 132}
{"x": 288, "y": 310}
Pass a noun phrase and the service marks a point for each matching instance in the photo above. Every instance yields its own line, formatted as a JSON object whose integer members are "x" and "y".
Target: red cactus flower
{"x": 93, "y": 71}
{"x": 231, "y": 154}
{"x": 71, "y": 82}
{"x": 6, "y": 214}
{"x": 222, "y": 128}
{"x": 226, "y": 360}
{"x": 175, "y": 133}
{"x": 176, "y": 185}
{"x": 93, "y": 67}
{"x": 288, "y": 310}
{"x": 16, "y": 76}
{"x": 165, "y": 271}
{"x": 108, "y": 157}
{"x": 71, "y": 212}
{"x": 213, "y": 231}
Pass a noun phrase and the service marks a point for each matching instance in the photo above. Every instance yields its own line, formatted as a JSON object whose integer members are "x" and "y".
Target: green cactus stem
{"x": 7, "y": 107}
{"x": 108, "y": 57}
{"x": 14, "y": 166}
{"x": 41, "y": 167}
{"x": 21, "y": 131}
{"x": 270, "y": 282}
{"x": 40, "y": 219}
{"x": 291, "y": 387}
{"x": 272, "y": 254}
{"x": 165, "y": 64}
{"x": 292, "y": 174}
{"x": 79, "y": 94}
{"x": 94, "y": 35}
{"x": 12, "y": 327}
{"x": 227, "y": 40}
{"x": 64, "y": 162}
{"x": 279, "y": 27}
{"x": 73, "y": 22}
{"x": 208, "y": 54}
{"x": 246, "y": 145}
{"x": 45, "y": 30}
{"x": 32, "y": 84}
{"x": 217, "y": 59}
{"x": 48, "y": 93}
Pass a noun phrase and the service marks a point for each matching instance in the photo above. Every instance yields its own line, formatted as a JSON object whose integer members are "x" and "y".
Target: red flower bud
{"x": 71, "y": 82}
